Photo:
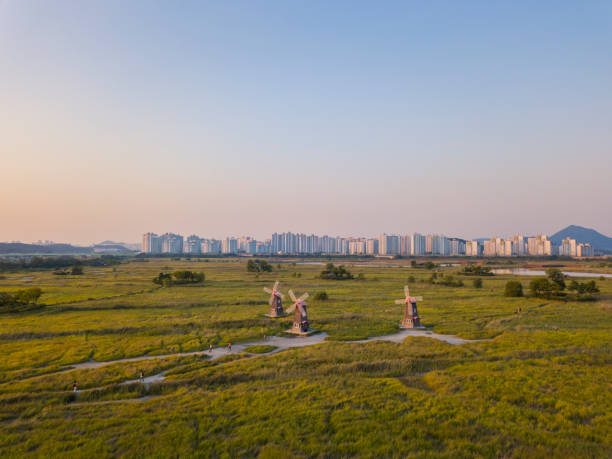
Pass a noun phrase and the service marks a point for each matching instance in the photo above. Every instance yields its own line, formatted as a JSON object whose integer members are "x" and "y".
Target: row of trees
{"x": 553, "y": 286}
{"x": 20, "y": 298}
{"x": 179, "y": 278}
{"x": 58, "y": 262}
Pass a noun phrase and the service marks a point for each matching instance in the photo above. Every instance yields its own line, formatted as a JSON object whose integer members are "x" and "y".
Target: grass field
{"x": 537, "y": 384}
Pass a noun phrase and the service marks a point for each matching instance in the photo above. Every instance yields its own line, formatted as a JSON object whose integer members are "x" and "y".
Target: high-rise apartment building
{"x": 372, "y": 247}
{"x": 417, "y": 244}
{"x": 172, "y": 243}
{"x": 539, "y": 245}
{"x": 473, "y": 249}
{"x": 568, "y": 247}
{"x": 388, "y": 244}
{"x": 229, "y": 245}
{"x": 193, "y": 244}
{"x": 585, "y": 250}
{"x": 152, "y": 243}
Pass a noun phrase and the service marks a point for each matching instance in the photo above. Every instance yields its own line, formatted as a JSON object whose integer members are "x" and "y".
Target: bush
{"x": 411, "y": 280}
{"x": 477, "y": 283}
{"x": 76, "y": 270}
{"x": 476, "y": 270}
{"x": 321, "y": 296}
{"x": 257, "y": 266}
{"x": 188, "y": 277}
{"x": 513, "y": 289}
{"x": 332, "y": 272}
{"x": 163, "y": 279}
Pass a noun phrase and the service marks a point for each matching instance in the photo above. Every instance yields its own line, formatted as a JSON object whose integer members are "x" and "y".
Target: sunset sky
{"x": 218, "y": 118}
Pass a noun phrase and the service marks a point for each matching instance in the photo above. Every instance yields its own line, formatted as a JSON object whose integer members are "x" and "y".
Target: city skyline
{"x": 414, "y": 244}
{"x": 334, "y": 117}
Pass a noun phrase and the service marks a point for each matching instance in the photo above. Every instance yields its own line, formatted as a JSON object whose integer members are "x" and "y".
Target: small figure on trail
{"x": 265, "y": 337}
{"x": 74, "y": 387}
{"x": 210, "y": 348}
{"x": 141, "y": 376}
{"x": 229, "y": 347}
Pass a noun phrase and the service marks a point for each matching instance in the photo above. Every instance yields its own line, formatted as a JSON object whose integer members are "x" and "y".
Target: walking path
{"x": 281, "y": 343}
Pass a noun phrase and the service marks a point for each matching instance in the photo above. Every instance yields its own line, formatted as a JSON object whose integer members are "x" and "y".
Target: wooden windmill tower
{"x": 411, "y": 316}
{"x": 301, "y": 325}
{"x": 276, "y": 301}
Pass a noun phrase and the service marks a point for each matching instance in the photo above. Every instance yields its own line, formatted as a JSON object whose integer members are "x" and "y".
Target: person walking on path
{"x": 229, "y": 347}
{"x": 141, "y": 376}
{"x": 74, "y": 387}
{"x": 210, "y": 348}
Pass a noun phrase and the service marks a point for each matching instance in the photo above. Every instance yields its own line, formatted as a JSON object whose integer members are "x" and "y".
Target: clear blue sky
{"x": 247, "y": 117}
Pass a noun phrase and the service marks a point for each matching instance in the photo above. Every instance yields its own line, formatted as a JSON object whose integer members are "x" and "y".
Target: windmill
{"x": 301, "y": 326}
{"x": 411, "y": 316}
{"x": 276, "y": 301}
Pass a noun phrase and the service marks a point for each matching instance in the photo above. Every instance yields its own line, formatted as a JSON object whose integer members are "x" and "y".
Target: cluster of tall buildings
{"x": 414, "y": 244}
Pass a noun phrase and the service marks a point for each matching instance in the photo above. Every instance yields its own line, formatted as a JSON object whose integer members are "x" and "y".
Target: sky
{"x": 232, "y": 118}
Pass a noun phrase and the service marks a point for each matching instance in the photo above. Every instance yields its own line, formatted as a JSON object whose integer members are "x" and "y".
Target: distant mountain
{"x": 31, "y": 249}
{"x": 581, "y": 234}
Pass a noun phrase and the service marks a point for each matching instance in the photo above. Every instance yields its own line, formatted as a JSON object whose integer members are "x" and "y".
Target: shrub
{"x": 321, "y": 296}
{"x": 76, "y": 270}
{"x": 476, "y": 270}
{"x": 513, "y": 289}
{"x": 477, "y": 283}
{"x": 163, "y": 279}
{"x": 188, "y": 277}
{"x": 257, "y": 266}
{"x": 411, "y": 280}
{"x": 332, "y": 272}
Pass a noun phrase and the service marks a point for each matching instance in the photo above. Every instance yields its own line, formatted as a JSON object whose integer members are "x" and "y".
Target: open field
{"x": 537, "y": 384}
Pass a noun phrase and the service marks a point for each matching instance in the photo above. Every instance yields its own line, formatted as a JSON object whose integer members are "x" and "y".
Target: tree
{"x": 29, "y": 295}
{"x": 556, "y": 277}
{"x": 77, "y": 270}
{"x": 513, "y": 288}
{"x": 321, "y": 296}
{"x": 477, "y": 283}
{"x": 541, "y": 287}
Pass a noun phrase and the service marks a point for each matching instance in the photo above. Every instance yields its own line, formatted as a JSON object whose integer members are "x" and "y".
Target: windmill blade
{"x": 406, "y": 290}
{"x": 267, "y": 290}
{"x": 418, "y": 298}
{"x": 400, "y": 301}
{"x": 304, "y": 296}
{"x": 276, "y": 285}
{"x": 292, "y": 295}
{"x": 291, "y": 308}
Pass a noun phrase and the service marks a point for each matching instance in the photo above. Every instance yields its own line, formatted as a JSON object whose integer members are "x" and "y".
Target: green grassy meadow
{"x": 536, "y": 384}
